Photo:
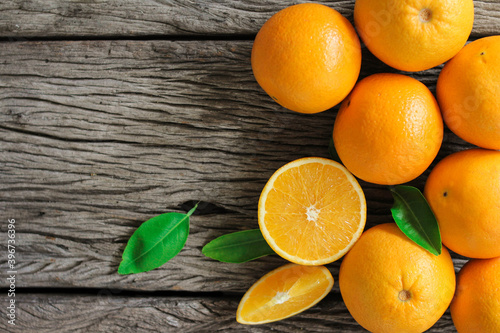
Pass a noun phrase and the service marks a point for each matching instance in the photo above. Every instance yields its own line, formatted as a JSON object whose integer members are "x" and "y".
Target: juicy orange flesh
{"x": 316, "y": 201}
{"x": 285, "y": 293}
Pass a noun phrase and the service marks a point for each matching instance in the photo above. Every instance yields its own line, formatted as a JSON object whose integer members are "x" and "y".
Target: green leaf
{"x": 155, "y": 242}
{"x": 415, "y": 218}
{"x": 238, "y": 247}
{"x": 333, "y": 152}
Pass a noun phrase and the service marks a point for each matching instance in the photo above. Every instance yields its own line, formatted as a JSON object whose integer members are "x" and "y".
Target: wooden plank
{"x": 66, "y": 18}
{"x": 108, "y": 312}
{"x": 99, "y": 136}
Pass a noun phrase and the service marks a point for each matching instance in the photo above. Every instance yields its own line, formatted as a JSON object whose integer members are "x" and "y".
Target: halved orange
{"x": 284, "y": 292}
{"x": 312, "y": 211}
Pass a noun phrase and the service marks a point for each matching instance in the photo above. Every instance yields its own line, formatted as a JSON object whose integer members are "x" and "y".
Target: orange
{"x": 463, "y": 191}
{"x": 414, "y": 35}
{"x": 307, "y": 57}
{"x": 476, "y": 305}
{"x": 467, "y": 91}
{"x": 284, "y": 292}
{"x": 390, "y": 284}
{"x": 389, "y": 129}
{"x": 312, "y": 211}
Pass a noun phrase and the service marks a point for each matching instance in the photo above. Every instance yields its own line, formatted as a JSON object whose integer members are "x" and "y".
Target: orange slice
{"x": 312, "y": 211}
{"x": 284, "y": 292}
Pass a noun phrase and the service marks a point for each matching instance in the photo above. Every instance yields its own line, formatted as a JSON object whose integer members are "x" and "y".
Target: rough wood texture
{"x": 67, "y": 18}
{"x": 98, "y": 137}
{"x": 105, "y": 312}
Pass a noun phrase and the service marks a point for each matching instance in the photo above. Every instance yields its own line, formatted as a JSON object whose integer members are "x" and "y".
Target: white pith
{"x": 324, "y": 270}
{"x": 311, "y": 210}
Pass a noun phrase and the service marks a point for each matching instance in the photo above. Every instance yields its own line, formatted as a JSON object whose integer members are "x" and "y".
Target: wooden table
{"x": 112, "y": 112}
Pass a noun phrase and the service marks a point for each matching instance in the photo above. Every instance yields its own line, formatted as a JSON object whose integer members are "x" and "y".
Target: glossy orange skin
{"x": 476, "y": 305}
{"x": 389, "y": 129}
{"x": 390, "y": 284}
{"x": 467, "y": 91}
{"x": 307, "y": 57}
{"x": 463, "y": 191}
{"x": 414, "y": 35}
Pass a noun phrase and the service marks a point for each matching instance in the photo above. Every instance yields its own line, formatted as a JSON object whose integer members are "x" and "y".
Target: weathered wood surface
{"x": 68, "y": 18}
{"x": 98, "y": 137}
{"x": 108, "y": 312}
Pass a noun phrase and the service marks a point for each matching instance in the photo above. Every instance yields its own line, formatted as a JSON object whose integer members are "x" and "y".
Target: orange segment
{"x": 284, "y": 292}
{"x": 312, "y": 211}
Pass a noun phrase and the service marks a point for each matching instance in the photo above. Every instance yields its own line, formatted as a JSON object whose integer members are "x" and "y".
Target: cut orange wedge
{"x": 284, "y": 292}
{"x": 312, "y": 211}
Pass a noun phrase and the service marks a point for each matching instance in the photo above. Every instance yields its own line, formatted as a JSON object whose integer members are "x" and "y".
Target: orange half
{"x": 284, "y": 292}
{"x": 312, "y": 211}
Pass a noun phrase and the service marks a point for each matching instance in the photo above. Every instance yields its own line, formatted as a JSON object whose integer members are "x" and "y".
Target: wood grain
{"x": 117, "y": 111}
{"x": 99, "y": 136}
{"x": 108, "y": 312}
{"x": 68, "y": 18}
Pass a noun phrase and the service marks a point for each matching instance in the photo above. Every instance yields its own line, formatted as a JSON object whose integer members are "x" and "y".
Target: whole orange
{"x": 307, "y": 57}
{"x": 463, "y": 191}
{"x": 390, "y": 284}
{"x": 414, "y": 35}
{"x": 476, "y": 305}
{"x": 467, "y": 91}
{"x": 389, "y": 129}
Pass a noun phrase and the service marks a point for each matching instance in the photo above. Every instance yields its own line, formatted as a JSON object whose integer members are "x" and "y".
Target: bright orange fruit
{"x": 390, "y": 284}
{"x": 307, "y": 57}
{"x": 312, "y": 211}
{"x": 389, "y": 129}
{"x": 467, "y": 91}
{"x": 463, "y": 191}
{"x": 476, "y": 305}
{"x": 284, "y": 292}
{"x": 414, "y": 35}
